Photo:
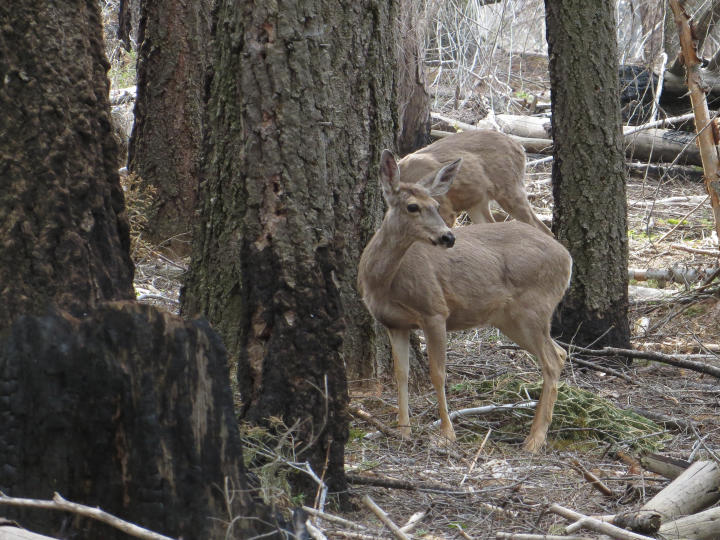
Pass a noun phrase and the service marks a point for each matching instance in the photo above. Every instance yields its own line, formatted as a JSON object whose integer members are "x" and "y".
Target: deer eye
{"x": 413, "y": 208}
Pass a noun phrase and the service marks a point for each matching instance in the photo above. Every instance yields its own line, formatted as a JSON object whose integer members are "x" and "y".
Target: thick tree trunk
{"x": 166, "y": 142}
{"x": 295, "y": 130}
{"x": 128, "y": 409}
{"x": 64, "y": 232}
{"x": 413, "y": 97}
{"x": 111, "y": 404}
{"x": 589, "y": 176}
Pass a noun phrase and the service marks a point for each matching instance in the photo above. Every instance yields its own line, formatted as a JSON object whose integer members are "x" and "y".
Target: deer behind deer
{"x": 493, "y": 170}
{"x": 417, "y": 273}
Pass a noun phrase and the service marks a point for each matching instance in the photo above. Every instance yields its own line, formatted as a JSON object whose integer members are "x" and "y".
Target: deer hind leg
{"x": 436, "y": 338}
{"x": 552, "y": 358}
{"x": 400, "y": 342}
{"x": 518, "y": 207}
{"x": 480, "y": 212}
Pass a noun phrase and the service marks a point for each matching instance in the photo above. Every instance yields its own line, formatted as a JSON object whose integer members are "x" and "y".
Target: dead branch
{"x": 639, "y": 522}
{"x": 596, "y": 524}
{"x": 670, "y": 468}
{"x": 593, "y": 480}
{"x": 701, "y": 526}
{"x": 678, "y": 273}
{"x": 713, "y": 252}
{"x": 403, "y": 484}
{"x": 476, "y": 411}
{"x": 520, "y": 536}
{"x": 58, "y": 503}
{"x": 655, "y": 356}
{"x": 668, "y": 422}
{"x": 694, "y": 490}
{"x": 706, "y": 128}
{"x": 382, "y": 516}
{"x": 361, "y": 414}
{"x": 333, "y": 518}
{"x": 414, "y": 520}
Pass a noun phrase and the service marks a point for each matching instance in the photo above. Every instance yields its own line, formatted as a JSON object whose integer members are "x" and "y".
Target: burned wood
{"x": 639, "y": 522}
{"x": 668, "y": 467}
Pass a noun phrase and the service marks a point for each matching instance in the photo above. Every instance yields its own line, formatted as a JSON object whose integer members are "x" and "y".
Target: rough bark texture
{"x": 63, "y": 229}
{"x": 166, "y": 142}
{"x": 300, "y": 108}
{"x": 109, "y": 404}
{"x": 128, "y": 409}
{"x": 413, "y": 97}
{"x": 129, "y": 23}
{"x": 589, "y": 177}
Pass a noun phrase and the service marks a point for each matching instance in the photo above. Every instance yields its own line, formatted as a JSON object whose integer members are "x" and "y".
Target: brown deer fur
{"x": 493, "y": 169}
{"x": 417, "y": 273}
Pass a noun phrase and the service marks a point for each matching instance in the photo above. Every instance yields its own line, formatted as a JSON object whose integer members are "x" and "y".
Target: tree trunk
{"x": 166, "y": 142}
{"x": 127, "y": 408}
{"x": 413, "y": 97}
{"x": 589, "y": 176}
{"x": 63, "y": 226}
{"x": 110, "y": 404}
{"x": 291, "y": 196}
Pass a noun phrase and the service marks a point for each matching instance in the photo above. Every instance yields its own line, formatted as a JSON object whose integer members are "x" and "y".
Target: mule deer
{"x": 417, "y": 273}
{"x": 493, "y": 170}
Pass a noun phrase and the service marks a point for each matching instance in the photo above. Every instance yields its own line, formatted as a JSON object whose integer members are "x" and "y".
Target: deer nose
{"x": 447, "y": 239}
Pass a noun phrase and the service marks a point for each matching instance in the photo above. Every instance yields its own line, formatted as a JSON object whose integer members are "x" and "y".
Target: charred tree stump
{"x": 128, "y": 409}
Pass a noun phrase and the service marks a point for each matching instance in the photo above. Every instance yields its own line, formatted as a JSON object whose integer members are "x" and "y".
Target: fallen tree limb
{"x": 402, "y": 484}
{"x": 382, "y": 516}
{"x": 596, "y": 524}
{"x": 670, "y": 468}
{"x": 593, "y": 480}
{"x": 361, "y": 414}
{"x": 10, "y": 531}
{"x": 58, "y": 503}
{"x": 695, "y": 489}
{"x": 701, "y": 526}
{"x": 521, "y": 536}
{"x": 678, "y": 273}
{"x": 650, "y": 355}
{"x": 477, "y": 411}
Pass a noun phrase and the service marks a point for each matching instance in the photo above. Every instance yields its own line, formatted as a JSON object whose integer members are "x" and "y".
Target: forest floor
{"x": 473, "y": 489}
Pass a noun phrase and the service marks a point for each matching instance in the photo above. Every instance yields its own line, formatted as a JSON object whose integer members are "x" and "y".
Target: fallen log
{"x": 701, "y": 526}
{"x": 678, "y": 273}
{"x": 695, "y": 489}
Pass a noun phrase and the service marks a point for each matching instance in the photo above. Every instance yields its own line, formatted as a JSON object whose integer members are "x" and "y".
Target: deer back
{"x": 493, "y": 163}
{"x": 493, "y": 270}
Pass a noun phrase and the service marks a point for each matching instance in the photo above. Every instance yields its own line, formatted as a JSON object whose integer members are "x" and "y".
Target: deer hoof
{"x": 533, "y": 444}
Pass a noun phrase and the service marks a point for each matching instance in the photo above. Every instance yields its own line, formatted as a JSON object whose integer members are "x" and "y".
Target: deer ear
{"x": 389, "y": 173}
{"x": 440, "y": 183}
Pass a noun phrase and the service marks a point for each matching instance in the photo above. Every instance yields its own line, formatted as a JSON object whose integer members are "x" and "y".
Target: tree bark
{"x": 413, "y": 97}
{"x": 109, "y": 404}
{"x": 63, "y": 226}
{"x": 290, "y": 198}
{"x": 589, "y": 215}
{"x": 127, "y": 408}
{"x": 166, "y": 141}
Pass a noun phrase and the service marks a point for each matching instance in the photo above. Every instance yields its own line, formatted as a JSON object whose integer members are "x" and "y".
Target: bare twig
{"x": 592, "y": 479}
{"x": 382, "y": 516}
{"x": 655, "y": 356}
{"x": 59, "y": 503}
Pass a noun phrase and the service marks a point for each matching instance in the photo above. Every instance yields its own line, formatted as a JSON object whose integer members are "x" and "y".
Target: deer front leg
{"x": 400, "y": 342}
{"x": 436, "y": 338}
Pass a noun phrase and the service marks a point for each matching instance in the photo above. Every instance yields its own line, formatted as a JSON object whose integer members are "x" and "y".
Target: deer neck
{"x": 382, "y": 257}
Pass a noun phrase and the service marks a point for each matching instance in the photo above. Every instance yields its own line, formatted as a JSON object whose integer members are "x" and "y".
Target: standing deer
{"x": 417, "y": 273}
{"x": 493, "y": 170}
